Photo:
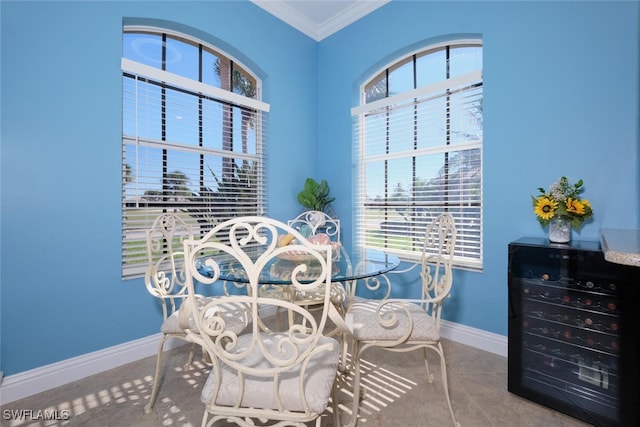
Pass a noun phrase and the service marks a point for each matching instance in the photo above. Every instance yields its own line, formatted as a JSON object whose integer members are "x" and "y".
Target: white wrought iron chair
{"x": 402, "y": 325}
{"x": 315, "y": 225}
{"x": 165, "y": 280}
{"x": 319, "y": 228}
{"x": 285, "y": 376}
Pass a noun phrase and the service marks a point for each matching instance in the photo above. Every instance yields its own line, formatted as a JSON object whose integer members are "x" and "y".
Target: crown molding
{"x": 302, "y": 23}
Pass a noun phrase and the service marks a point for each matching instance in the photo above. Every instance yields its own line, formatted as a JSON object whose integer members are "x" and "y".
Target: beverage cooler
{"x": 573, "y": 334}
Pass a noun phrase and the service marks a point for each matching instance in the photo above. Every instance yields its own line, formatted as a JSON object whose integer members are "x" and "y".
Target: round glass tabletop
{"x": 357, "y": 265}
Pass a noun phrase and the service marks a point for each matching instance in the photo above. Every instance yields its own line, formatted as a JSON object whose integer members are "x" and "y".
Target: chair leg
{"x": 445, "y": 384}
{"x": 192, "y": 351}
{"x": 204, "y": 418}
{"x": 355, "y": 363}
{"x": 156, "y": 379}
{"x": 277, "y": 326}
{"x": 430, "y": 376}
{"x": 344, "y": 342}
{"x": 335, "y": 404}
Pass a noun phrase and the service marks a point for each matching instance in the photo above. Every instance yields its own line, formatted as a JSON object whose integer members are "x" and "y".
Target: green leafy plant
{"x": 315, "y": 196}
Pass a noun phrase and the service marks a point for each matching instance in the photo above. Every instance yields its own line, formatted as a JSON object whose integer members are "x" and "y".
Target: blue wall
{"x": 561, "y": 98}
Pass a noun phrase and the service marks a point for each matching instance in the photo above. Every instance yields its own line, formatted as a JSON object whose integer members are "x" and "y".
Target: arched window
{"x": 193, "y": 136}
{"x": 418, "y": 139}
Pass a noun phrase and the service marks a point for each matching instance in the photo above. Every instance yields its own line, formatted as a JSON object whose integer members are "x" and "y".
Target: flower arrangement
{"x": 562, "y": 200}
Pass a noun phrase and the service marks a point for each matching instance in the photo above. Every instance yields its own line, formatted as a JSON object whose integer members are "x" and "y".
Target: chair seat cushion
{"x": 259, "y": 391}
{"x": 363, "y": 320}
{"x": 236, "y": 316}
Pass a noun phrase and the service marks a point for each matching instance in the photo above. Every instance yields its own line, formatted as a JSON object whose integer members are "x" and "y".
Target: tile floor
{"x": 397, "y": 395}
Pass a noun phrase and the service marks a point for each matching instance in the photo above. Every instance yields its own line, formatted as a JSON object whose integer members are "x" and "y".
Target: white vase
{"x": 560, "y": 229}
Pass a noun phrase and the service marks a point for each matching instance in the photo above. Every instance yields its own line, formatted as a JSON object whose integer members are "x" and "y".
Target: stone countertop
{"x": 621, "y": 246}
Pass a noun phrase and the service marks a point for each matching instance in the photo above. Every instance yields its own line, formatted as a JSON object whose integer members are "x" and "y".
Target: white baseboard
{"x": 477, "y": 338}
{"x": 24, "y": 384}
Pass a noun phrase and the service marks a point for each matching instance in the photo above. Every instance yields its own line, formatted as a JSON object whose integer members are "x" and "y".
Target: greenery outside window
{"x": 193, "y": 137}
{"x": 418, "y": 144}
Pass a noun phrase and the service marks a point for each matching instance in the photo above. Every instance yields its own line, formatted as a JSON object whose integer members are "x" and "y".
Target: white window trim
{"x": 144, "y": 70}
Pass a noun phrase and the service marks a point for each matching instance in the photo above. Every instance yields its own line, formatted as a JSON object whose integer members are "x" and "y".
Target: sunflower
{"x": 575, "y": 206}
{"x": 545, "y": 207}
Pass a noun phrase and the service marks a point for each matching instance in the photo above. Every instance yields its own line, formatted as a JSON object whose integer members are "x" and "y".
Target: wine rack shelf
{"x": 573, "y": 339}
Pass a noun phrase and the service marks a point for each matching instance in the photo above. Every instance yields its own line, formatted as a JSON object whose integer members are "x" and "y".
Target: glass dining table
{"x": 362, "y": 263}
{"x": 358, "y": 264}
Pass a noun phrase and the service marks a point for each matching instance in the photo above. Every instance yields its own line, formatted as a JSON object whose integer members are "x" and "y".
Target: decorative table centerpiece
{"x": 561, "y": 208}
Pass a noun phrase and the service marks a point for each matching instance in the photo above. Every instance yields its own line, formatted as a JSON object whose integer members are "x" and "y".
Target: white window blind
{"x": 189, "y": 148}
{"x": 419, "y": 153}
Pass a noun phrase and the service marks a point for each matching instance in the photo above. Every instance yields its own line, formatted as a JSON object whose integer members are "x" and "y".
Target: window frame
{"x": 468, "y": 256}
{"x": 201, "y": 208}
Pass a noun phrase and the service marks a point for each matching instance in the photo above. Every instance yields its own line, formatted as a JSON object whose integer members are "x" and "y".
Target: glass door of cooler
{"x": 565, "y": 331}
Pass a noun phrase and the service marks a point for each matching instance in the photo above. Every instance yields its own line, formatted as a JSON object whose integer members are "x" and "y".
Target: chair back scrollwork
{"x": 165, "y": 276}
{"x": 310, "y": 223}
{"x": 436, "y": 263}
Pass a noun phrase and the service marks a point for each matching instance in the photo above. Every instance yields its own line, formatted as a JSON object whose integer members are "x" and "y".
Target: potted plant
{"x": 315, "y": 196}
{"x": 561, "y": 208}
